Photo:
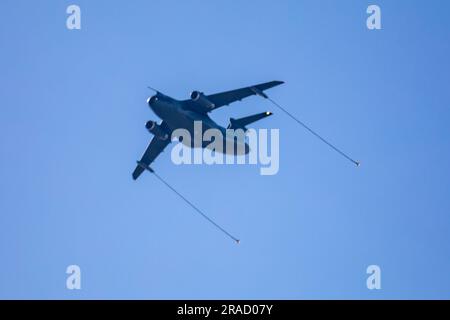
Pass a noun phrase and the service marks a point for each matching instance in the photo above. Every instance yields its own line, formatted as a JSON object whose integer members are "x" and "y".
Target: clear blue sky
{"x": 72, "y": 125}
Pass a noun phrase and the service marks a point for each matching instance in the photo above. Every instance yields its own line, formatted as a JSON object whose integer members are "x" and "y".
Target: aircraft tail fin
{"x": 242, "y": 122}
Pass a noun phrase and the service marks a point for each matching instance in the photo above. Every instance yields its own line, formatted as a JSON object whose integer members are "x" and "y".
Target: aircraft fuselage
{"x": 175, "y": 114}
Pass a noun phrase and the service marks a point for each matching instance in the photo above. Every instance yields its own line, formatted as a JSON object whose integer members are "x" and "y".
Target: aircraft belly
{"x": 186, "y": 121}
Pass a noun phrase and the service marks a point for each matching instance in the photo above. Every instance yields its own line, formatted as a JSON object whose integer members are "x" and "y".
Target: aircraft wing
{"x": 225, "y": 98}
{"x": 153, "y": 150}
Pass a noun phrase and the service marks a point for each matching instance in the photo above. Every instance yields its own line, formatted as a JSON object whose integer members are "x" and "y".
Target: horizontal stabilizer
{"x": 242, "y": 122}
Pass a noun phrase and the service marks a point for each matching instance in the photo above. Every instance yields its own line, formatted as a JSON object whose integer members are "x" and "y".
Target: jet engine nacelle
{"x": 201, "y": 99}
{"x": 156, "y": 130}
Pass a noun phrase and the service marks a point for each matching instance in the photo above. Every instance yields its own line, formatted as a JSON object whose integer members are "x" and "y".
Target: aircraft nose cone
{"x": 152, "y": 100}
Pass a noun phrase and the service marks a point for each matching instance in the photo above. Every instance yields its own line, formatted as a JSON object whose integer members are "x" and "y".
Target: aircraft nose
{"x": 152, "y": 100}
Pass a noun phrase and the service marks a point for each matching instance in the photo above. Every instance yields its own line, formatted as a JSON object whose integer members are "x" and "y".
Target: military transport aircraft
{"x": 176, "y": 114}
